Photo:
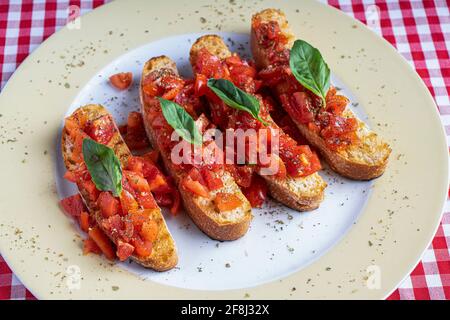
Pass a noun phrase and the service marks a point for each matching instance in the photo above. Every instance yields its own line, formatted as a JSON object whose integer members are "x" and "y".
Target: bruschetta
{"x": 116, "y": 188}
{"x": 296, "y": 183}
{"x": 210, "y": 195}
{"x": 345, "y": 142}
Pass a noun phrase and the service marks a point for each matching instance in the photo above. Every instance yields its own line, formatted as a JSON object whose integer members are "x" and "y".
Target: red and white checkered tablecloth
{"x": 420, "y": 30}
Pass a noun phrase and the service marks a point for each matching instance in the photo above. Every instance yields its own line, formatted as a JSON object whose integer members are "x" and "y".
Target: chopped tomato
{"x": 157, "y": 182}
{"x": 71, "y": 176}
{"x": 150, "y": 89}
{"x": 256, "y": 193}
{"x": 112, "y": 225}
{"x": 212, "y": 181}
{"x": 103, "y": 242}
{"x": 241, "y": 174}
{"x": 163, "y": 199}
{"x": 303, "y": 106}
{"x": 72, "y": 127}
{"x": 149, "y": 170}
{"x": 143, "y": 248}
{"x": 101, "y": 129}
{"x": 227, "y": 201}
{"x": 89, "y": 246}
{"x": 135, "y": 164}
{"x": 138, "y": 217}
{"x": 128, "y": 202}
{"x": 136, "y": 137}
{"x": 275, "y": 167}
{"x": 273, "y": 75}
{"x": 137, "y": 182}
{"x": 121, "y": 80}
{"x": 127, "y": 231}
{"x": 77, "y": 153}
{"x": 195, "y": 187}
{"x": 146, "y": 200}
{"x": 149, "y": 230}
{"x": 108, "y": 205}
{"x": 124, "y": 250}
{"x": 84, "y": 221}
{"x": 73, "y": 205}
{"x": 89, "y": 187}
{"x": 200, "y": 86}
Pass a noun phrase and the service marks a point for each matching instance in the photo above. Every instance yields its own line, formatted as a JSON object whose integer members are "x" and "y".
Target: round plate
{"x": 390, "y": 221}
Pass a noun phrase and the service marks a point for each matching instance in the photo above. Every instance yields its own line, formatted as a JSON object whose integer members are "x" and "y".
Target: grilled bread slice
{"x": 164, "y": 254}
{"x": 364, "y": 160}
{"x": 302, "y": 194}
{"x": 225, "y": 225}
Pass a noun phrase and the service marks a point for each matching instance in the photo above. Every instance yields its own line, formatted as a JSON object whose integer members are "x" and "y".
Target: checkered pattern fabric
{"x": 420, "y": 30}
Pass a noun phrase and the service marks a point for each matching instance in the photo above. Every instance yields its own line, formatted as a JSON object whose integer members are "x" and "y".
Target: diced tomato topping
{"x": 72, "y": 127}
{"x": 200, "y": 86}
{"x": 84, "y": 221}
{"x": 89, "y": 246}
{"x": 77, "y": 152}
{"x": 103, "y": 242}
{"x": 241, "y": 174}
{"x": 135, "y": 136}
{"x": 71, "y": 176}
{"x": 301, "y": 104}
{"x": 143, "y": 248}
{"x": 73, "y": 205}
{"x": 91, "y": 189}
{"x": 112, "y": 225}
{"x": 135, "y": 164}
{"x": 275, "y": 167}
{"x": 137, "y": 181}
{"x": 124, "y": 250}
{"x": 128, "y": 202}
{"x": 212, "y": 180}
{"x": 146, "y": 200}
{"x": 101, "y": 129}
{"x": 227, "y": 201}
{"x": 257, "y": 192}
{"x": 127, "y": 231}
{"x": 121, "y": 81}
{"x": 149, "y": 230}
{"x": 195, "y": 187}
{"x": 138, "y": 217}
{"x": 163, "y": 199}
{"x": 108, "y": 205}
{"x": 273, "y": 75}
{"x": 157, "y": 182}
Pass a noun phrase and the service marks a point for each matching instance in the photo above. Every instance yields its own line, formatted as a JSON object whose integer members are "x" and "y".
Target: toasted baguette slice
{"x": 164, "y": 254}
{"x": 302, "y": 194}
{"x": 361, "y": 161}
{"x": 227, "y": 225}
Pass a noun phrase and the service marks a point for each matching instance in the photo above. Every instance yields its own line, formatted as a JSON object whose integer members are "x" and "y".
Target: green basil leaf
{"x": 309, "y": 68}
{"x": 103, "y": 166}
{"x": 180, "y": 121}
{"x": 235, "y": 97}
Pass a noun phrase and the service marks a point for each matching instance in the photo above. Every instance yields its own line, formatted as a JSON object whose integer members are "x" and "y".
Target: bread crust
{"x": 301, "y": 194}
{"x": 201, "y": 211}
{"x": 365, "y": 161}
{"x": 164, "y": 254}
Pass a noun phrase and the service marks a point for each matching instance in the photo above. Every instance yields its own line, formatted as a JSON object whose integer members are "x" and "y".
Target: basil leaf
{"x": 103, "y": 166}
{"x": 309, "y": 68}
{"x": 180, "y": 121}
{"x": 235, "y": 97}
